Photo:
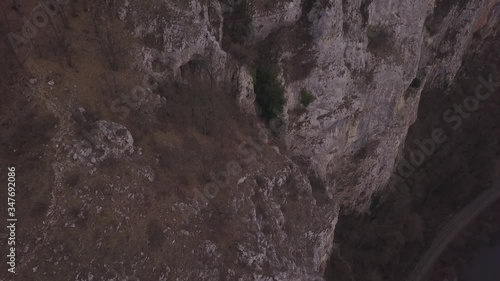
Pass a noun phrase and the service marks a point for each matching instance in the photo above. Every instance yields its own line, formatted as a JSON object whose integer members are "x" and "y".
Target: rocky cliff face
{"x": 366, "y": 63}
{"x": 361, "y": 60}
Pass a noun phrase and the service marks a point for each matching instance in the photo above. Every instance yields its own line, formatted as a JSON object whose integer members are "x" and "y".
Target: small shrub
{"x": 236, "y": 30}
{"x": 72, "y": 180}
{"x": 155, "y": 234}
{"x": 375, "y": 203}
{"x": 306, "y": 97}
{"x": 253, "y": 73}
{"x": 269, "y": 93}
{"x": 238, "y": 51}
{"x": 379, "y": 41}
{"x": 416, "y": 83}
{"x": 239, "y": 23}
{"x": 307, "y": 6}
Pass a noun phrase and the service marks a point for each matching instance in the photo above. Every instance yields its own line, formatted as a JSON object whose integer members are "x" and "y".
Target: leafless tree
{"x": 16, "y": 55}
{"x": 62, "y": 13}
{"x": 86, "y": 5}
{"x": 74, "y": 10}
{"x": 62, "y": 43}
{"x": 5, "y": 17}
{"x": 109, "y": 87}
{"x": 16, "y": 6}
{"x": 108, "y": 43}
{"x": 36, "y": 47}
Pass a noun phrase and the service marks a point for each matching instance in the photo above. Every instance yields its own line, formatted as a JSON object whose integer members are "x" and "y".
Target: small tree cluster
{"x": 269, "y": 92}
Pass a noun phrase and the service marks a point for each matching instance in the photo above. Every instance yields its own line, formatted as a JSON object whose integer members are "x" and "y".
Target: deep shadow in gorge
{"x": 485, "y": 267}
{"x": 386, "y": 243}
{"x": 473, "y": 255}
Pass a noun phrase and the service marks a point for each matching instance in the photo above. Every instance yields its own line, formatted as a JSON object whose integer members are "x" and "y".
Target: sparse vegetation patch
{"x": 269, "y": 92}
{"x": 306, "y": 97}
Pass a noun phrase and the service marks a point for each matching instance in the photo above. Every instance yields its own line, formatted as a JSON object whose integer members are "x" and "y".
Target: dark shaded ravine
{"x": 388, "y": 242}
{"x": 485, "y": 267}
{"x": 467, "y": 251}
{"x": 451, "y": 230}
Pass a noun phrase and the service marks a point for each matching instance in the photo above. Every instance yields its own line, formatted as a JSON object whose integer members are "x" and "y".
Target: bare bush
{"x": 105, "y": 37}
{"x": 62, "y": 43}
